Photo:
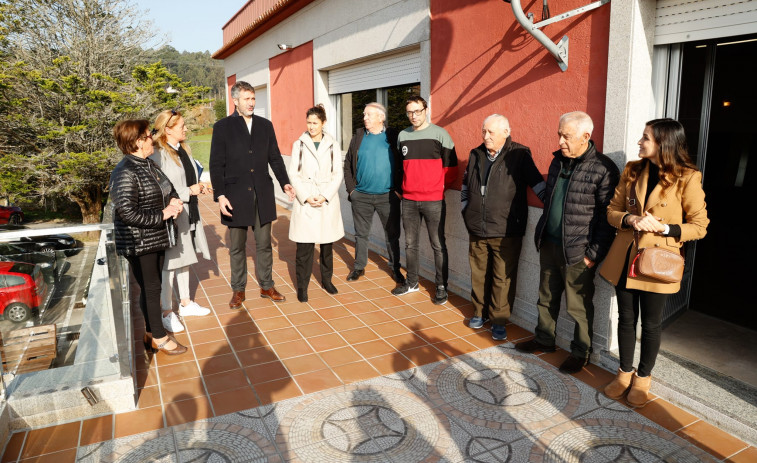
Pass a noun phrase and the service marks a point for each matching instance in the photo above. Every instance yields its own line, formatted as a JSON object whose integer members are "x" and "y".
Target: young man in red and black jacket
{"x": 427, "y": 153}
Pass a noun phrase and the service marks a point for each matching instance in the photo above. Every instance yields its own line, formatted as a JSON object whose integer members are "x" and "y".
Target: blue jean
{"x": 433, "y": 213}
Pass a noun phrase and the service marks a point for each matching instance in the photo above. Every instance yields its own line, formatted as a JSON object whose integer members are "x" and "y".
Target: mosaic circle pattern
{"x": 504, "y": 392}
{"x": 222, "y": 443}
{"x": 364, "y": 423}
{"x": 487, "y": 449}
{"x": 344, "y": 429}
{"x": 601, "y": 440}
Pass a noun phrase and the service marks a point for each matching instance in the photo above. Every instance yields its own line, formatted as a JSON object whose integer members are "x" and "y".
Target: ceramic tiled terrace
{"x": 362, "y": 376}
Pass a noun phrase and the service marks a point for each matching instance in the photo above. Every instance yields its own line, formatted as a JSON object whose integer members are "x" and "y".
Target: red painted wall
{"x": 484, "y": 62}
{"x": 291, "y": 93}
{"x": 230, "y": 81}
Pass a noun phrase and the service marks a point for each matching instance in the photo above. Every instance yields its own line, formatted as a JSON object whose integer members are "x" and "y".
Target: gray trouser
{"x": 263, "y": 256}
{"x": 387, "y": 206}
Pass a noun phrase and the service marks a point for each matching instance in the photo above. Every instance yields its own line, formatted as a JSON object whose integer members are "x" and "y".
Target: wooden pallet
{"x": 28, "y": 349}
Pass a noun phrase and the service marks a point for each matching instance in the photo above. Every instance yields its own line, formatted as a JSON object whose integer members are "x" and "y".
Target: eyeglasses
{"x": 417, "y": 112}
{"x": 149, "y": 135}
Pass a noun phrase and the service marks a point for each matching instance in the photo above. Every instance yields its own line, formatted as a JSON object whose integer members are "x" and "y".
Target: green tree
{"x": 196, "y": 67}
{"x": 60, "y": 102}
{"x": 219, "y": 108}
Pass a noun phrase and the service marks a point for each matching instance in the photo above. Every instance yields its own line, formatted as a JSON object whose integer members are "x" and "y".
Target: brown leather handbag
{"x": 657, "y": 263}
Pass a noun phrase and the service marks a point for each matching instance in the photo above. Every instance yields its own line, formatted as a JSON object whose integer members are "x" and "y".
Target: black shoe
{"x": 404, "y": 289}
{"x": 355, "y": 274}
{"x": 441, "y": 295}
{"x": 573, "y": 365}
{"x": 398, "y": 278}
{"x": 329, "y": 287}
{"x": 532, "y": 346}
{"x": 302, "y": 295}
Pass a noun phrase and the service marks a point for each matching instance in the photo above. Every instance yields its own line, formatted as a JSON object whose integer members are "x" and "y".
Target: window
{"x": 351, "y": 106}
{"x": 13, "y": 280}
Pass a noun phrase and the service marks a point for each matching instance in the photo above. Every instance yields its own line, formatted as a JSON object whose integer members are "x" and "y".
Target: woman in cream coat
{"x": 173, "y": 157}
{"x": 316, "y": 175}
{"x": 666, "y": 210}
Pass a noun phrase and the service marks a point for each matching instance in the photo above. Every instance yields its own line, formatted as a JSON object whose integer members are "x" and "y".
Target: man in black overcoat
{"x": 242, "y": 148}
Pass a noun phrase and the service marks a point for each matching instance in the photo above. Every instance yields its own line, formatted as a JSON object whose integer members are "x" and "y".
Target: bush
{"x": 219, "y": 106}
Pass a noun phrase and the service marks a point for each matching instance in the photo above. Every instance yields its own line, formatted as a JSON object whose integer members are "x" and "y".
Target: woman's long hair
{"x": 168, "y": 119}
{"x": 673, "y": 151}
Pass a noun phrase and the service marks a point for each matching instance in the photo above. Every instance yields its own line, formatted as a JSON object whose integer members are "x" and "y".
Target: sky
{"x": 191, "y": 25}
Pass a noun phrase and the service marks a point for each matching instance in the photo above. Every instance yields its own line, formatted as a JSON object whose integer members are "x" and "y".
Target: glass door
{"x": 716, "y": 96}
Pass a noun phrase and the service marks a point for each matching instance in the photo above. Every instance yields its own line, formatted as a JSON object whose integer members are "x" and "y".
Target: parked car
{"x": 22, "y": 290}
{"x": 51, "y": 266}
{"x": 47, "y": 243}
{"x": 11, "y": 214}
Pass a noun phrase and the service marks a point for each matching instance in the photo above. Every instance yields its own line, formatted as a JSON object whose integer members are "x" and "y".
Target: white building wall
{"x": 352, "y": 30}
{"x": 346, "y": 31}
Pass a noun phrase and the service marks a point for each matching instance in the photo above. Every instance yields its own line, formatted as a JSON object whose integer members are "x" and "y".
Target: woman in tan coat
{"x": 660, "y": 198}
{"x": 316, "y": 174}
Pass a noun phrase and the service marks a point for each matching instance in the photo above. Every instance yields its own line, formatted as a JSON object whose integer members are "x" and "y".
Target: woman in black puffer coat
{"x": 143, "y": 200}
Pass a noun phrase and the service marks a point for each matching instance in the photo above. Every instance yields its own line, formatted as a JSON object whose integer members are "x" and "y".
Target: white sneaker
{"x": 193, "y": 309}
{"x": 172, "y": 323}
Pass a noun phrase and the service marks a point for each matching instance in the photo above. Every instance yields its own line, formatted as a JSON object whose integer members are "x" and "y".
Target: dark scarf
{"x": 189, "y": 172}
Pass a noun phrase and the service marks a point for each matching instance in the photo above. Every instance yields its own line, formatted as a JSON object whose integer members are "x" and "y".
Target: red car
{"x": 11, "y": 214}
{"x": 22, "y": 289}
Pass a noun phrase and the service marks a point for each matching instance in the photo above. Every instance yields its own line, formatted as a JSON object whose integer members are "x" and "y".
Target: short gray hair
{"x": 380, "y": 108}
{"x": 504, "y": 123}
{"x": 238, "y": 87}
{"x": 583, "y": 121}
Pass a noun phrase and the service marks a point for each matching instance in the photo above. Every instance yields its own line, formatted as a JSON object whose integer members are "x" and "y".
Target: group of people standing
{"x": 591, "y": 213}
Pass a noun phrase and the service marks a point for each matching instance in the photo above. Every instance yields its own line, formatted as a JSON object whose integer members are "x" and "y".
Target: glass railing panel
{"x": 63, "y": 307}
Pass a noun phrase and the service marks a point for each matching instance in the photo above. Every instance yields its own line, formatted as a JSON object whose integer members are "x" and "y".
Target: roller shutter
{"x": 692, "y": 20}
{"x": 385, "y": 71}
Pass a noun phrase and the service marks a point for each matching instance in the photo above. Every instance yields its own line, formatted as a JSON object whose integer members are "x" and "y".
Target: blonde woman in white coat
{"x": 316, "y": 175}
{"x": 173, "y": 157}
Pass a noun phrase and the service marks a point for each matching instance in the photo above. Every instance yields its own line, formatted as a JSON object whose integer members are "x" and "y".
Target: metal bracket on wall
{"x": 559, "y": 50}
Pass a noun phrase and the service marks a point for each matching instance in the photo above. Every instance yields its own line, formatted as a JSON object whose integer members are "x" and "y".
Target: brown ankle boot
{"x": 618, "y": 387}
{"x": 638, "y": 395}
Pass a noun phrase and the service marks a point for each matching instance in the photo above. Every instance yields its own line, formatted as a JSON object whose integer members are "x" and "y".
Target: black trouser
{"x": 147, "y": 270}
{"x": 631, "y": 303}
{"x": 304, "y": 263}
{"x": 387, "y": 206}
{"x": 433, "y": 213}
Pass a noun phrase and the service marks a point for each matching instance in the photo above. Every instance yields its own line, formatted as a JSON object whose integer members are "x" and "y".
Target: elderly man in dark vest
{"x": 242, "y": 148}
{"x": 495, "y": 211}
